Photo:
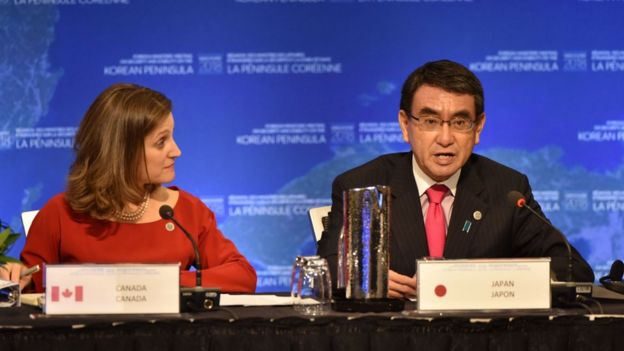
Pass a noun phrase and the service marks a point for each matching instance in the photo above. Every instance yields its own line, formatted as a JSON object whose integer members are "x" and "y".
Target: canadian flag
{"x": 66, "y": 293}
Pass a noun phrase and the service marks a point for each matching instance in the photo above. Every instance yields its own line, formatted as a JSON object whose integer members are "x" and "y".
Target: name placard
{"x": 483, "y": 284}
{"x": 112, "y": 289}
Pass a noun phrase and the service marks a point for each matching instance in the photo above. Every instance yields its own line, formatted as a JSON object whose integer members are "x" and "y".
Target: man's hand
{"x": 12, "y": 271}
{"x": 401, "y": 286}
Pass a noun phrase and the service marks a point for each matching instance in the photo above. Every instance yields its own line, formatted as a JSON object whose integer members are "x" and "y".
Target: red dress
{"x": 59, "y": 235}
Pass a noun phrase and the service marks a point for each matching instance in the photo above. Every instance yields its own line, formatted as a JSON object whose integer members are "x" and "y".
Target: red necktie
{"x": 435, "y": 224}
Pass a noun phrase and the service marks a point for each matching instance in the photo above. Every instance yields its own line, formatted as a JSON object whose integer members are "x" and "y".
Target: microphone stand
{"x": 197, "y": 298}
{"x": 567, "y": 291}
{"x": 522, "y": 204}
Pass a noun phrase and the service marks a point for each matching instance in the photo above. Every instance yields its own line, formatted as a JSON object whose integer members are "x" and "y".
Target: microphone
{"x": 166, "y": 212}
{"x": 198, "y": 298}
{"x": 613, "y": 281}
{"x": 617, "y": 270}
{"x": 568, "y": 292}
{"x": 517, "y": 199}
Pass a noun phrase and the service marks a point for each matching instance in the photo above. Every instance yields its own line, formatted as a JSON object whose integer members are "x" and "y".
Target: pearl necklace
{"x": 133, "y": 216}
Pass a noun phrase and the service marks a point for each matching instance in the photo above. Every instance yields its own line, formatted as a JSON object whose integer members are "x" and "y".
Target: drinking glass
{"x": 9, "y": 294}
{"x": 300, "y": 261}
{"x": 314, "y": 288}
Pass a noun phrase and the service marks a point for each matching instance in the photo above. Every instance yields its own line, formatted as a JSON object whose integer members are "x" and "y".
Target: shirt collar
{"x": 423, "y": 182}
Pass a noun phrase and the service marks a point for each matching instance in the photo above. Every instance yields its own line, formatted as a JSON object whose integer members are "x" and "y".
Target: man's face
{"x": 443, "y": 151}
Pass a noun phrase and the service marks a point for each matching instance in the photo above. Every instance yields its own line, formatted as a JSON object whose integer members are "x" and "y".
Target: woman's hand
{"x": 13, "y": 272}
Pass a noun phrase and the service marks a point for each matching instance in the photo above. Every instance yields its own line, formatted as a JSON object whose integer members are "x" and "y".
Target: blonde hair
{"x": 110, "y": 148}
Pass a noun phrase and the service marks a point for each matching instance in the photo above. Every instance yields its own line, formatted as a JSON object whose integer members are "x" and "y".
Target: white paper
{"x": 6, "y": 284}
{"x": 255, "y": 300}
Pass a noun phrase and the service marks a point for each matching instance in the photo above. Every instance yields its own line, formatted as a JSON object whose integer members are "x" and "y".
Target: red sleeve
{"x": 223, "y": 266}
{"x": 43, "y": 240}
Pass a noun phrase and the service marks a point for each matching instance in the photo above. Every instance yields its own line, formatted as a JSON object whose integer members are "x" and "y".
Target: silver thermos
{"x": 363, "y": 247}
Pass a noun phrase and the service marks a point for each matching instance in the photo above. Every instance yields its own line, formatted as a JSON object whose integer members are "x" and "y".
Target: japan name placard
{"x": 483, "y": 284}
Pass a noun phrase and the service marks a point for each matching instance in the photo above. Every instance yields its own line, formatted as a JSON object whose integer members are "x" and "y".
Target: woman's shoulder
{"x": 189, "y": 205}
{"x": 185, "y": 198}
{"x": 56, "y": 202}
{"x": 56, "y": 207}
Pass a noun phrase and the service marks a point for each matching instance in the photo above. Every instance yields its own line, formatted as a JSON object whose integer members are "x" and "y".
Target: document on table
{"x": 255, "y": 300}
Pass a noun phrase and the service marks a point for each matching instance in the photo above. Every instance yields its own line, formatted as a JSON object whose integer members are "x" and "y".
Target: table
{"x": 281, "y": 328}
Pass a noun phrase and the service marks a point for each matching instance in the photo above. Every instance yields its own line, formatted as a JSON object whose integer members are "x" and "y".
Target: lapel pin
{"x": 477, "y": 215}
{"x": 169, "y": 226}
{"x": 467, "y": 225}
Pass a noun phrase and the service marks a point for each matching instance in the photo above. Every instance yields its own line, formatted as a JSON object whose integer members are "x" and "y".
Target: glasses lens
{"x": 430, "y": 123}
{"x": 461, "y": 124}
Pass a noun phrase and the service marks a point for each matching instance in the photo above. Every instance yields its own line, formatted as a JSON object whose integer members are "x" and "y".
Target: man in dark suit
{"x": 441, "y": 116}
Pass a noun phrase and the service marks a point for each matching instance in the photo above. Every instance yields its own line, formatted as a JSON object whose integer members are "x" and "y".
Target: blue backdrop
{"x": 274, "y": 98}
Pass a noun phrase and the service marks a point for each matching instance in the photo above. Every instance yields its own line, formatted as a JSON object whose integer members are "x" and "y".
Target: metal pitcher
{"x": 363, "y": 248}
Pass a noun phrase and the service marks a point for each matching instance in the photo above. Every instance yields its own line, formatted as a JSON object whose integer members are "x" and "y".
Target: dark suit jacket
{"x": 503, "y": 230}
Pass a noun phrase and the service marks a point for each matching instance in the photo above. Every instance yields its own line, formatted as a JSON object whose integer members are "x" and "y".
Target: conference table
{"x": 282, "y": 328}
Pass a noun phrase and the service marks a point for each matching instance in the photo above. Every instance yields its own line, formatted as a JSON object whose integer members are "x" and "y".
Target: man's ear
{"x": 479, "y": 127}
{"x": 403, "y": 123}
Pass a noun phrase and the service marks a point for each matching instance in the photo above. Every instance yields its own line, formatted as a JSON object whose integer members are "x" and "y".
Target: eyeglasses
{"x": 430, "y": 124}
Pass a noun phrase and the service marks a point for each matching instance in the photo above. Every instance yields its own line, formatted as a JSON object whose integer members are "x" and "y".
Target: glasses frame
{"x": 441, "y": 122}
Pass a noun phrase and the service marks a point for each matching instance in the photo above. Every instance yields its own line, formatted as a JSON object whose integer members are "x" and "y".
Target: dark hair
{"x": 110, "y": 148}
{"x": 447, "y": 75}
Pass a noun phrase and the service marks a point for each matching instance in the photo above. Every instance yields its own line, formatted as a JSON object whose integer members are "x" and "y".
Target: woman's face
{"x": 160, "y": 154}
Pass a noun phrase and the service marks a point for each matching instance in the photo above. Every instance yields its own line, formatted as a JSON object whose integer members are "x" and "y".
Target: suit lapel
{"x": 408, "y": 227}
{"x": 469, "y": 208}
